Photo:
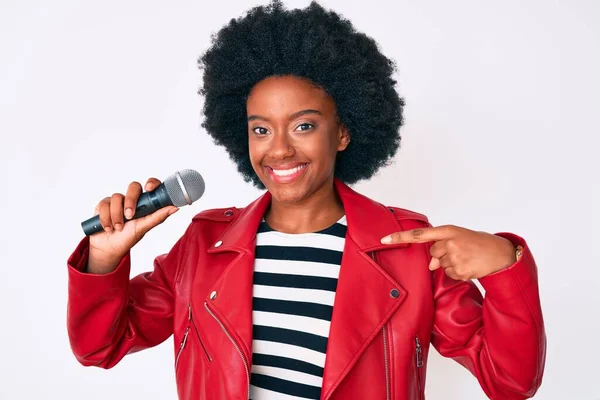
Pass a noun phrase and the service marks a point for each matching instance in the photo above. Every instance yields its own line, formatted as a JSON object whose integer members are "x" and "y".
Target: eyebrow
{"x": 294, "y": 115}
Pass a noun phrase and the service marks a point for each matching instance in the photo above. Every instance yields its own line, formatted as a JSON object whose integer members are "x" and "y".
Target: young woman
{"x": 313, "y": 291}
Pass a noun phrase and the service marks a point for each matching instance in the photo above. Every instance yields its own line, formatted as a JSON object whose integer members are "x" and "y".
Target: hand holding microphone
{"x": 121, "y": 221}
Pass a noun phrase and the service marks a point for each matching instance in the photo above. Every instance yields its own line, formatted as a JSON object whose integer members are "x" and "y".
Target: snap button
{"x": 228, "y": 213}
{"x": 394, "y": 293}
{"x": 213, "y": 295}
{"x": 219, "y": 243}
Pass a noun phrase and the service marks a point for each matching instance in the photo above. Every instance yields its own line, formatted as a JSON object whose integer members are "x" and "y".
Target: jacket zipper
{"x": 385, "y": 354}
{"x": 386, "y": 363}
{"x": 185, "y": 335}
{"x": 234, "y": 344}
{"x": 191, "y": 319}
{"x": 419, "y": 363}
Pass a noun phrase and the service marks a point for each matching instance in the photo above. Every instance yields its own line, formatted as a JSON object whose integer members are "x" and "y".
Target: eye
{"x": 304, "y": 127}
{"x": 259, "y": 130}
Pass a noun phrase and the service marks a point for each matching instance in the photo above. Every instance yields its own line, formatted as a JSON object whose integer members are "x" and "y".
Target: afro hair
{"x": 314, "y": 44}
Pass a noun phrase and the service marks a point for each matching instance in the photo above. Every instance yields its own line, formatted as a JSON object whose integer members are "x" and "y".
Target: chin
{"x": 291, "y": 194}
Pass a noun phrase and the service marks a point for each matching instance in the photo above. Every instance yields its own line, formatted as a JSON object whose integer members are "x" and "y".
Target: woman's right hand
{"x": 108, "y": 247}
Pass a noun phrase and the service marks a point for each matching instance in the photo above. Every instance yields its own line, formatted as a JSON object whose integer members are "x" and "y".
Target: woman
{"x": 313, "y": 290}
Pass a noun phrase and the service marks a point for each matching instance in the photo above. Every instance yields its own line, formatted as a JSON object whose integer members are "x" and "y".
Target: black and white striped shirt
{"x": 295, "y": 279}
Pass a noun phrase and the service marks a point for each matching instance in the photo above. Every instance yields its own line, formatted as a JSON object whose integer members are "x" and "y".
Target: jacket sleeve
{"x": 109, "y": 316}
{"x": 499, "y": 338}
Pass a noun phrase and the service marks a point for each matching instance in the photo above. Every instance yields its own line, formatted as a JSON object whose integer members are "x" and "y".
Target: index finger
{"x": 420, "y": 235}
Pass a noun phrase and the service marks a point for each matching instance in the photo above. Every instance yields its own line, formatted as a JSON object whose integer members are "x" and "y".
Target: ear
{"x": 344, "y": 137}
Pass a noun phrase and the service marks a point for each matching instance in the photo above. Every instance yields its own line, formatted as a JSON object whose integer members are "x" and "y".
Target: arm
{"x": 109, "y": 316}
{"x": 501, "y": 338}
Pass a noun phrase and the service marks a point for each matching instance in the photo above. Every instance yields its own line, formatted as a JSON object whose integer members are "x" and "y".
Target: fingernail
{"x": 128, "y": 213}
{"x": 386, "y": 240}
{"x": 108, "y": 228}
{"x": 173, "y": 211}
{"x": 118, "y": 227}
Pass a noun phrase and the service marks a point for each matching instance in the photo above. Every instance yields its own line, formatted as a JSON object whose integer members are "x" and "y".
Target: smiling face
{"x": 294, "y": 135}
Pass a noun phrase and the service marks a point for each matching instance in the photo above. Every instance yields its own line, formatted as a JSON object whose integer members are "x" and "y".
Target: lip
{"x": 286, "y": 178}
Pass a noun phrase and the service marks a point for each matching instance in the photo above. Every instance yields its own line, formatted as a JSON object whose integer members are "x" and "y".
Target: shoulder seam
{"x": 404, "y": 214}
{"x": 217, "y": 214}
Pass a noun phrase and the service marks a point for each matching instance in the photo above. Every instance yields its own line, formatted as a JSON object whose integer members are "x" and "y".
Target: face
{"x": 294, "y": 135}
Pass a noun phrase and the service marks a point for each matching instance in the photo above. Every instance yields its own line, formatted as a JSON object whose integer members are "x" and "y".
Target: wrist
{"x": 99, "y": 264}
{"x": 511, "y": 255}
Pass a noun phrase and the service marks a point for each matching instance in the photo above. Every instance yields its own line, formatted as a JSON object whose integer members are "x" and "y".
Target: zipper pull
{"x": 419, "y": 353}
{"x": 185, "y": 335}
{"x": 187, "y": 328}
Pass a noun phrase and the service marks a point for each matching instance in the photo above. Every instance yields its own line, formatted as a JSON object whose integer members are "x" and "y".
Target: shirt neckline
{"x": 342, "y": 220}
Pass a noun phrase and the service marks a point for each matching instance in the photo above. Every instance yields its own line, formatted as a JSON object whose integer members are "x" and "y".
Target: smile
{"x": 288, "y": 172}
{"x": 286, "y": 175}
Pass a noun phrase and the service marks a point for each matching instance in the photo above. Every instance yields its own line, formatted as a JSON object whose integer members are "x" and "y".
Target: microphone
{"x": 181, "y": 188}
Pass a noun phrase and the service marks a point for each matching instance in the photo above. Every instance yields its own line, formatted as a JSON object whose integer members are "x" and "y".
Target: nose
{"x": 281, "y": 146}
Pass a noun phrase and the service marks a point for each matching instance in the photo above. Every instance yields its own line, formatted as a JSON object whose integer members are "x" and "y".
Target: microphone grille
{"x": 184, "y": 187}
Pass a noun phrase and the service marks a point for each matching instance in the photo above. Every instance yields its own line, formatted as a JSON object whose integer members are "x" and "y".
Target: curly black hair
{"x": 314, "y": 44}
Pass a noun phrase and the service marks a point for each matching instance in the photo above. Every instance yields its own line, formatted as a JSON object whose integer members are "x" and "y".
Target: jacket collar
{"x": 367, "y": 220}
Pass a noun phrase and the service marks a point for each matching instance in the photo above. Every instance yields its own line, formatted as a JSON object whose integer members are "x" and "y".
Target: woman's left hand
{"x": 464, "y": 254}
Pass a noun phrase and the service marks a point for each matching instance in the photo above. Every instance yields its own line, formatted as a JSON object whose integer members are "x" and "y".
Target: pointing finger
{"x": 421, "y": 235}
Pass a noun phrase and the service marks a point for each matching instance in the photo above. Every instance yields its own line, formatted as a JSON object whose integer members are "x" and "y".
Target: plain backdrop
{"x": 501, "y": 134}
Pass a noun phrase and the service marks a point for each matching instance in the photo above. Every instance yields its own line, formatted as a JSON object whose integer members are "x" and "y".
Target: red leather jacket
{"x": 201, "y": 292}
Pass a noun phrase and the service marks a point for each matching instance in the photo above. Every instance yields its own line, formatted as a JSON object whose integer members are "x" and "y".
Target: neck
{"x": 319, "y": 211}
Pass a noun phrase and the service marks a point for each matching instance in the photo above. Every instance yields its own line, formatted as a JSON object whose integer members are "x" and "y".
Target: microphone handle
{"x": 147, "y": 203}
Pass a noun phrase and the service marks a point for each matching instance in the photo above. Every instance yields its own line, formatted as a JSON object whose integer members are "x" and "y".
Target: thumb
{"x": 156, "y": 218}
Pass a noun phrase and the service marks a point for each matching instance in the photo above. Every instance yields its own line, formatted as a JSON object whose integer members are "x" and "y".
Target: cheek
{"x": 255, "y": 159}
{"x": 258, "y": 152}
{"x": 329, "y": 148}
{"x": 321, "y": 147}
{"x": 254, "y": 150}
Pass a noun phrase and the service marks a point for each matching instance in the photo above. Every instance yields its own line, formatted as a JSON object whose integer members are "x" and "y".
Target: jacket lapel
{"x": 232, "y": 303}
{"x": 364, "y": 300}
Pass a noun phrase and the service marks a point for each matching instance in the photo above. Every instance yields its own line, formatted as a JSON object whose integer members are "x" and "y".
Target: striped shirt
{"x": 295, "y": 279}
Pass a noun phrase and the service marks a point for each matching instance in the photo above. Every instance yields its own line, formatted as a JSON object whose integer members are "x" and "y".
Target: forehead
{"x": 287, "y": 94}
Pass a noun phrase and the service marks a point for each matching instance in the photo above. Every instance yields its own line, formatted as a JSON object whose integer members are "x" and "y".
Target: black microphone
{"x": 180, "y": 189}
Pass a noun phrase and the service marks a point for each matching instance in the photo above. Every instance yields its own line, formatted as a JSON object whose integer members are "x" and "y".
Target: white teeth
{"x": 286, "y": 172}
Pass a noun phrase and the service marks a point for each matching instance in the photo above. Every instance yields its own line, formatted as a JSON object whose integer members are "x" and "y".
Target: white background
{"x": 501, "y": 134}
